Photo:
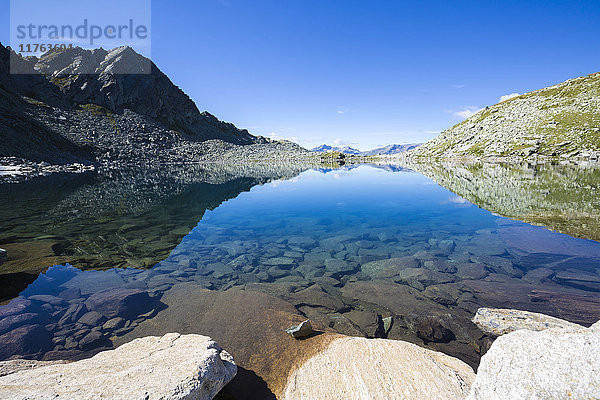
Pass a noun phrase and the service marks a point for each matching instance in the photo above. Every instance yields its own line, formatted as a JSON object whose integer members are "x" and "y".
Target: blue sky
{"x": 364, "y": 73}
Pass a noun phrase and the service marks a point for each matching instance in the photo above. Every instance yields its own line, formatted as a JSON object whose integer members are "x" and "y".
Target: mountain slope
{"x": 561, "y": 121}
{"x": 18, "y": 130}
{"x": 54, "y": 112}
{"x": 147, "y": 93}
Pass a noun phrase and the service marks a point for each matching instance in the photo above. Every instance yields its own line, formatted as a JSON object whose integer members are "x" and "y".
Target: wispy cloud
{"x": 341, "y": 112}
{"x": 465, "y": 113}
{"x": 457, "y": 86}
{"x": 276, "y": 136}
{"x": 509, "y": 96}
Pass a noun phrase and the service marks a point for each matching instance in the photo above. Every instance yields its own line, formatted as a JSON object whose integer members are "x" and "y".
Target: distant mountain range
{"x": 386, "y": 150}
{"x": 391, "y": 149}
{"x": 345, "y": 149}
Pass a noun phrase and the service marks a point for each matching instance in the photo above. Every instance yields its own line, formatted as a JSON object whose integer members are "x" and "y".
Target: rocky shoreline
{"x": 15, "y": 170}
{"x": 536, "y": 356}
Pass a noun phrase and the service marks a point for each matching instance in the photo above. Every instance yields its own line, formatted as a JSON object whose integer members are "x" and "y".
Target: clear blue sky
{"x": 365, "y": 73}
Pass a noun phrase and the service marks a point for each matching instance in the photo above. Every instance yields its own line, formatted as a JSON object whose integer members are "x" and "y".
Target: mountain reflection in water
{"x": 348, "y": 248}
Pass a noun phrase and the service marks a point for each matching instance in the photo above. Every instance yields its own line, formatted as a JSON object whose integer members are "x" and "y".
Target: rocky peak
{"x": 117, "y": 80}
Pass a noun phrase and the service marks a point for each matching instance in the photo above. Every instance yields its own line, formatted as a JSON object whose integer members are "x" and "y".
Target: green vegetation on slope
{"x": 559, "y": 122}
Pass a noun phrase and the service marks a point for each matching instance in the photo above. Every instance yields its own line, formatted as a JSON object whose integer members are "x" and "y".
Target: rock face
{"x": 561, "y": 121}
{"x": 170, "y": 367}
{"x": 556, "y": 363}
{"x": 358, "y": 368}
{"x": 496, "y": 321}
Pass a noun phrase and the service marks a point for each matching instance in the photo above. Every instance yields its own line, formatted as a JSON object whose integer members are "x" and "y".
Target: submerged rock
{"x": 170, "y": 367}
{"x": 369, "y": 321}
{"x": 352, "y": 368}
{"x": 389, "y": 267}
{"x": 497, "y": 321}
{"x": 26, "y": 341}
{"x": 420, "y": 278}
{"x": 303, "y": 330}
{"x": 431, "y": 328}
{"x": 120, "y": 302}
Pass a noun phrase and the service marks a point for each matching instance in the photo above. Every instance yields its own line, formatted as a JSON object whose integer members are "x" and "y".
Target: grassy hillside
{"x": 561, "y": 121}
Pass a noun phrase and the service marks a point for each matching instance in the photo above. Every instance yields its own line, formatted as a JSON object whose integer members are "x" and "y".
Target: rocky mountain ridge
{"x": 122, "y": 108}
{"x": 557, "y": 122}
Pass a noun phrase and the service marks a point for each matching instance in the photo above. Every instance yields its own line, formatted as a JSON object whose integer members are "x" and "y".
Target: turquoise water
{"x": 339, "y": 244}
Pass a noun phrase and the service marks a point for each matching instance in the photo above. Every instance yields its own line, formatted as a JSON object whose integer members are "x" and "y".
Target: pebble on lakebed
{"x": 301, "y": 331}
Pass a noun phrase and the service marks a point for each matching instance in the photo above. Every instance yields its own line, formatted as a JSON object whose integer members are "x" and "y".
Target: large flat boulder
{"x": 554, "y": 363}
{"x": 173, "y": 366}
{"x": 359, "y": 368}
{"x": 500, "y": 321}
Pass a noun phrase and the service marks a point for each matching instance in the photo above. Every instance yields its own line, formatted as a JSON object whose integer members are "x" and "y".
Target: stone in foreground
{"x": 359, "y": 368}
{"x": 555, "y": 363}
{"x": 301, "y": 331}
{"x": 499, "y": 321}
{"x": 173, "y": 366}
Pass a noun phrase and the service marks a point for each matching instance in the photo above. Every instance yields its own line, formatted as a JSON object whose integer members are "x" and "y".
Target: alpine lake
{"x": 240, "y": 252}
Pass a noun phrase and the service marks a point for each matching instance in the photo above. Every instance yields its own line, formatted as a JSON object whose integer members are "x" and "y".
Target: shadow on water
{"x": 115, "y": 218}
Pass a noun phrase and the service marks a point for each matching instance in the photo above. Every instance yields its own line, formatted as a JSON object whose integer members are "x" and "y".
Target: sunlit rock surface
{"x": 359, "y": 368}
{"x": 173, "y": 366}
{"x": 554, "y": 363}
{"x": 496, "y": 321}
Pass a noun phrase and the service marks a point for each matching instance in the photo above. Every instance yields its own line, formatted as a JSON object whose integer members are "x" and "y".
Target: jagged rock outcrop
{"x": 560, "y": 121}
{"x": 173, "y": 366}
{"x": 557, "y": 363}
{"x": 362, "y": 368}
{"x": 123, "y": 79}
{"x": 499, "y": 321}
